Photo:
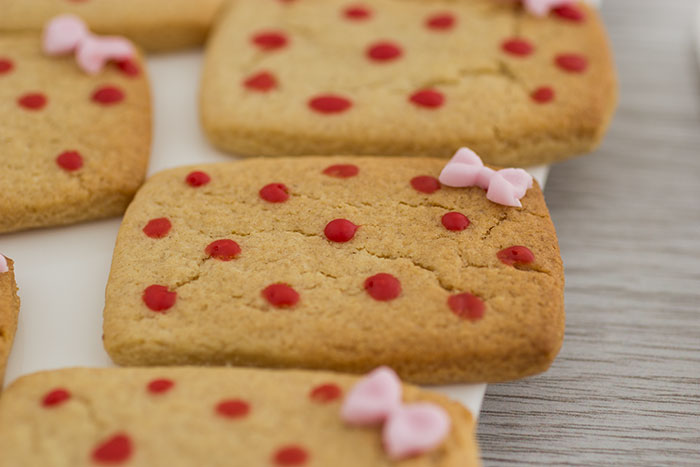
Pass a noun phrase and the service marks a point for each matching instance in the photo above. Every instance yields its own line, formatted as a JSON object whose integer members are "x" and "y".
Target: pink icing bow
{"x": 506, "y": 186}
{"x": 3, "y": 264}
{"x": 543, "y": 7}
{"x": 409, "y": 429}
{"x": 67, "y": 33}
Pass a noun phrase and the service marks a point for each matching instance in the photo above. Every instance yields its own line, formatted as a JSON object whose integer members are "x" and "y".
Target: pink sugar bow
{"x": 543, "y": 7}
{"x": 67, "y": 33}
{"x": 506, "y": 186}
{"x": 409, "y": 429}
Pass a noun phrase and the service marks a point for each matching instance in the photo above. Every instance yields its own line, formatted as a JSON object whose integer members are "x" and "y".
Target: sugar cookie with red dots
{"x": 9, "y": 311}
{"x": 155, "y": 25}
{"x": 214, "y": 417}
{"x": 362, "y": 262}
{"x": 75, "y": 147}
{"x": 407, "y": 78}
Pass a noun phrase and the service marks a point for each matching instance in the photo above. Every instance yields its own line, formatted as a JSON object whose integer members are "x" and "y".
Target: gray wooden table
{"x": 625, "y": 389}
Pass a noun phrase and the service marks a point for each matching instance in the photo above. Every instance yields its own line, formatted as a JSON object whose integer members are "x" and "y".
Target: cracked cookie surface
{"x": 251, "y": 268}
{"x": 407, "y": 77}
{"x": 203, "y": 416}
{"x": 9, "y": 311}
{"x": 73, "y": 147}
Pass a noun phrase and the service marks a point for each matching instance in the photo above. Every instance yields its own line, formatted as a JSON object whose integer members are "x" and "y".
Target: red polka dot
{"x": 6, "y": 65}
{"x": 571, "y": 63}
{"x": 233, "y": 408}
{"x": 516, "y": 256}
{"x": 274, "y": 193}
{"x": 114, "y": 450}
{"x": 108, "y": 95}
{"x": 383, "y": 287}
{"x": 570, "y": 13}
{"x": 158, "y": 298}
{"x": 160, "y": 386}
{"x": 466, "y": 306}
{"x": 517, "y": 46}
{"x": 384, "y": 52}
{"x": 261, "y": 82}
{"x": 340, "y": 230}
{"x": 330, "y": 104}
{"x": 55, "y": 397}
{"x": 129, "y": 67}
{"x": 543, "y": 94}
{"x": 223, "y": 250}
{"x": 325, "y": 393}
{"x": 196, "y": 179}
{"x": 70, "y": 161}
{"x": 455, "y": 221}
{"x": 291, "y": 455}
{"x": 280, "y": 295}
{"x": 425, "y": 184}
{"x": 341, "y": 170}
{"x": 357, "y": 13}
{"x": 32, "y": 101}
{"x": 440, "y": 21}
{"x": 270, "y": 40}
{"x": 428, "y": 98}
{"x": 157, "y": 228}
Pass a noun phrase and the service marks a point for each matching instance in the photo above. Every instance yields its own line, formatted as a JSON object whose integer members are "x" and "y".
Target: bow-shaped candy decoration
{"x": 506, "y": 186}
{"x": 543, "y": 7}
{"x": 409, "y": 429}
{"x": 66, "y": 34}
{"x": 3, "y": 264}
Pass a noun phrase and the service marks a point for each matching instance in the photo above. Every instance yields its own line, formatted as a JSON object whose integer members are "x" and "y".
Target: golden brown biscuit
{"x": 244, "y": 263}
{"x": 172, "y": 417}
{"x": 9, "y": 310}
{"x": 73, "y": 147}
{"x": 407, "y": 78}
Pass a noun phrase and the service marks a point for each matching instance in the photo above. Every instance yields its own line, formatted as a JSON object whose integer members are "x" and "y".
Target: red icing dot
{"x": 517, "y": 46}
{"x": 291, "y": 455}
{"x": 425, "y": 184}
{"x": 223, "y": 250}
{"x": 270, "y": 40}
{"x": 274, "y": 193}
{"x": 129, "y": 67}
{"x": 325, "y": 393}
{"x": 6, "y": 65}
{"x": 440, "y": 21}
{"x": 383, "y": 287}
{"x": 455, "y": 221}
{"x": 157, "y": 228}
{"x": 340, "y": 230}
{"x": 357, "y": 13}
{"x": 159, "y": 298}
{"x": 572, "y": 63}
{"x": 261, "y": 82}
{"x": 516, "y": 255}
{"x": 570, "y": 13}
{"x": 428, "y": 98}
{"x": 115, "y": 450}
{"x": 108, "y": 95}
{"x": 196, "y": 179}
{"x": 543, "y": 94}
{"x": 233, "y": 408}
{"x": 280, "y": 295}
{"x": 32, "y": 101}
{"x": 55, "y": 397}
{"x": 160, "y": 386}
{"x": 330, "y": 104}
{"x": 341, "y": 170}
{"x": 70, "y": 161}
{"x": 466, "y": 306}
{"x": 384, "y": 52}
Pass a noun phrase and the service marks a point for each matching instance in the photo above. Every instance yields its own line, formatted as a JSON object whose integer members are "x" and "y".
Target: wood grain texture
{"x": 625, "y": 389}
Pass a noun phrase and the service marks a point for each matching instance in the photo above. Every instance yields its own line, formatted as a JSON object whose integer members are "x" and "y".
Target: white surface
{"x": 62, "y": 272}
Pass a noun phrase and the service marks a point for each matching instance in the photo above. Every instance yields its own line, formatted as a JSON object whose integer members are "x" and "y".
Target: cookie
{"x": 335, "y": 263}
{"x": 407, "y": 78}
{"x": 9, "y": 310}
{"x": 208, "y": 416}
{"x": 73, "y": 146}
{"x": 155, "y": 25}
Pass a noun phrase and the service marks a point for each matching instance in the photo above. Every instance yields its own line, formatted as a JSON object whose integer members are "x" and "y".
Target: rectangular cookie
{"x": 212, "y": 417}
{"x": 156, "y": 25}
{"x": 334, "y": 263}
{"x": 407, "y": 78}
{"x": 73, "y": 146}
{"x": 9, "y": 311}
